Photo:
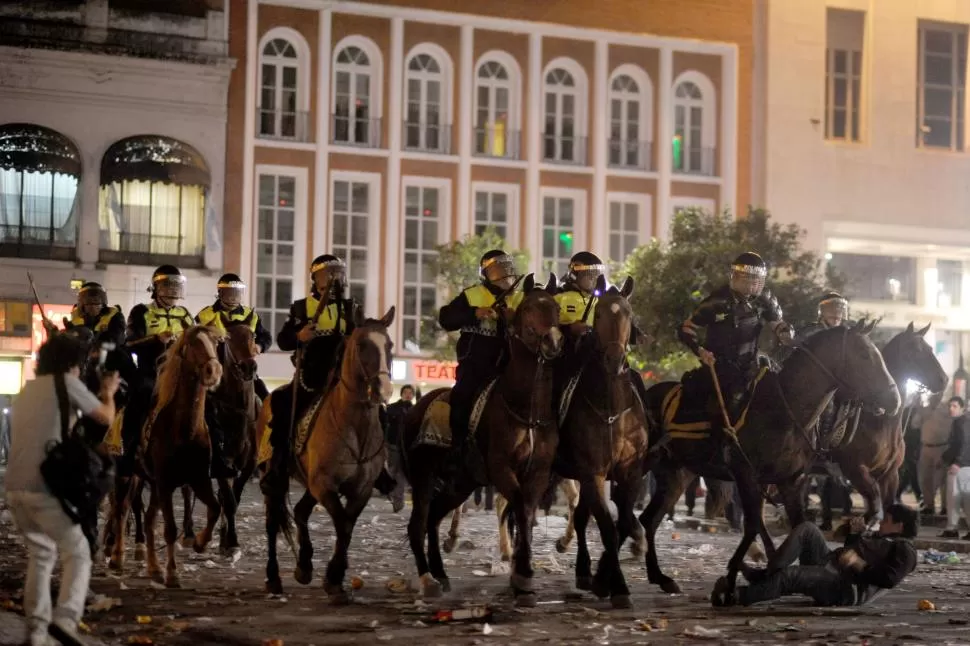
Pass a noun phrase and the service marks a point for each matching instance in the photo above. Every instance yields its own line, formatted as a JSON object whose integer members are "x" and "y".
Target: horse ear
{"x": 858, "y": 325}
{"x": 627, "y": 288}
{"x": 388, "y": 318}
{"x": 868, "y": 329}
{"x": 529, "y": 284}
{"x": 552, "y": 287}
{"x": 910, "y": 328}
{"x": 249, "y": 319}
{"x": 925, "y": 329}
{"x": 601, "y": 283}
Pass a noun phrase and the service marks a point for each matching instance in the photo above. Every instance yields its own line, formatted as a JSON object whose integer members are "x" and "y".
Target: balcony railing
{"x": 630, "y": 154}
{"x": 36, "y": 242}
{"x": 696, "y": 160}
{"x": 559, "y": 149}
{"x": 427, "y": 137}
{"x": 497, "y": 141}
{"x": 355, "y": 131}
{"x": 147, "y": 248}
{"x": 283, "y": 125}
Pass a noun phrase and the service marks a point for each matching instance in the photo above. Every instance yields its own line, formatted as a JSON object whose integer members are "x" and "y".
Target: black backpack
{"x": 76, "y": 474}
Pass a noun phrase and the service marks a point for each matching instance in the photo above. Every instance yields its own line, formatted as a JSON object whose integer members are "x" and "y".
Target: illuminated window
{"x": 356, "y": 93}
{"x": 565, "y": 112}
{"x": 694, "y": 124}
{"x": 497, "y": 106}
{"x": 942, "y": 85}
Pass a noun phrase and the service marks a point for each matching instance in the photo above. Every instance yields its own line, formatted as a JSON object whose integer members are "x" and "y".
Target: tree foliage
{"x": 456, "y": 266}
{"x": 672, "y": 278}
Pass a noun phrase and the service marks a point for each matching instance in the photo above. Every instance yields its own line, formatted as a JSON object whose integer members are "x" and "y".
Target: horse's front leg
{"x": 301, "y": 515}
{"x": 504, "y": 540}
{"x": 153, "y": 569}
{"x": 862, "y": 480}
{"x": 228, "y": 541}
{"x": 753, "y": 506}
{"x": 205, "y": 494}
{"x": 122, "y": 498}
{"x": 344, "y": 520}
{"x": 570, "y": 489}
{"x": 609, "y": 580}
{"x": 188, "y": 525}
{"x": 670, "y": 485}
{"x": 452, "y": 541}
{"x": 524, "y": 505}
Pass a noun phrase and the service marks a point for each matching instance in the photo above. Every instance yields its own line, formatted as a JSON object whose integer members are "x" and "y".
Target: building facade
{"x": 865, "y": 146}
{"x": 380, "y": 130}
{"x": 112, "y": 154}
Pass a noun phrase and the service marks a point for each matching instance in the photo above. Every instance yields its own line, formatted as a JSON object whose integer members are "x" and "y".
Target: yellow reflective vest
{"x": 175, "y": 320}
{"x": 572, "y": 304}
{"x": 208, "y": 316}
{"x": 77, "y": 319}
{"x": 480, "y": 296}
{"x": 327, "y": 322}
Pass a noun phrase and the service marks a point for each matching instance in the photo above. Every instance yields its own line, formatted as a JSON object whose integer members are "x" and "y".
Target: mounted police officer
{"x": 475, "y": 313}
{"x": 229, "y": 302}
{"x": 315, "y": 328}
{"x": 93, "y": 312}
{"x": 733, "y": 317}
{"x": 833, "y": 311}
{"x": 152, "y": 327}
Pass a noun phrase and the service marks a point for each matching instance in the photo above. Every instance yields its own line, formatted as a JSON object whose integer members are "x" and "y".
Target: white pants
{"x": 47, "y": 531}
{"x": 957, "y": 497}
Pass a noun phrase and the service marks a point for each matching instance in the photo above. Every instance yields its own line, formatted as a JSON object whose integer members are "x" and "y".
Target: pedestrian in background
{"x": 396, "y": 413}
{"x": 47, "y": 530}
{"x": 956, "y": 460}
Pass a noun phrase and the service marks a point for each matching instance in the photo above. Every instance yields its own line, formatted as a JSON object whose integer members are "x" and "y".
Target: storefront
{"x": 423, "y": 374}
{"x": 21, "y": 334}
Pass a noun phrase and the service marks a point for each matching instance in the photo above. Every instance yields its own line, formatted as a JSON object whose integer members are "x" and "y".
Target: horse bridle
{"x": 840, "y": 384}
{"x": 369, "y": 380}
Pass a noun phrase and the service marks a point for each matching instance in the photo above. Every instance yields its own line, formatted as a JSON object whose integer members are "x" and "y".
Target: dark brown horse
{"x": 873, "y": 456}
{"x": 604, "y": 436}
{"x": 516, "y": 436}
{"x": 777, "y": 441}
{"x": 343, "y": 456}
{"x": 237, "y": 409}
{"x": 178, "y": 450}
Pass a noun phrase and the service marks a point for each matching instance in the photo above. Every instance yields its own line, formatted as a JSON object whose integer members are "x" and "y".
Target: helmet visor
{"x": 748, "y": 280}
{"x": 171, "y": 287}
{"x": 500, "y": 271}
{"x": 585, "y": 276}
{"x": 231, "y": 293}
{"x": 331, "y": 275}
{"x": 91, "y": 298}
{"x": 834, "y": 309}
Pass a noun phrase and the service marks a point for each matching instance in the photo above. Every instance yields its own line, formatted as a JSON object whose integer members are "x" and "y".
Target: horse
{"x": 343, "y": 456}
{"x": 603, "y": 435}
{"x": 512, "y": 446}
{"x": 776, "y": 441}
{"x": 176, "y": 444}
{"x": 871, "y": 458}
{"x": 237, "y": 407}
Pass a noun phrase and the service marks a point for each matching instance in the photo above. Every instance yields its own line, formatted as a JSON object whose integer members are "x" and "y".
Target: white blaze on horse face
{"x": 615, "y": 308}
{"x": 379, "y": 341}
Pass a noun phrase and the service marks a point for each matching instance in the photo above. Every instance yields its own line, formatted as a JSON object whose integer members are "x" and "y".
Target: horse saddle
{"x": 842, "y": 426}
{"x": 436, "y": 425}
{"x": 305, "y": 424}
{"x": 691, "y": 418}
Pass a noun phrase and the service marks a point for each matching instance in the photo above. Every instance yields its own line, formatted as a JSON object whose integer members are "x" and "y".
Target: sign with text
{"x": 434, "y": 370}
{"x": 56, "y": 314}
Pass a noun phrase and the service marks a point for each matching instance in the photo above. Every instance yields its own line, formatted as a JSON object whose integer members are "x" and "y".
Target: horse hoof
{"x": 638, "y": 549}
{"x": 172, "y": 582}
{"x": 188, "y": 540}
{"x": 141, "y": 553}
{"x": 430, "y": 588}
{"x": 621, "y": 602}
{"x": 336, "y": 594}
{"x": 561, "y": 546}
{"x": 506, "y": 558}
{"x": 449, "y": 544}
{"x": 445, "y": 584}
{"x": 198, "y": 546}
{"x": 526, "y": 600}
{"x": 670, "y": 586}
{"x": 521, "y": 584}
{"x": 600, "y": 589}
{"x": 303, "y": 577}
{"x": 116, "y": 565}
{"x": 274, "y": 586}
{"x": 584, "y": 583}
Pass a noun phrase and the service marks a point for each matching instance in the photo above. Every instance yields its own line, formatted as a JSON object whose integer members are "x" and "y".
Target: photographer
{"x": 37, "y": 426}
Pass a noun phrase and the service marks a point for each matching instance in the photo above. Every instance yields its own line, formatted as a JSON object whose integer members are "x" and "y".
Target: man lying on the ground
{"x": 864, "y": 568}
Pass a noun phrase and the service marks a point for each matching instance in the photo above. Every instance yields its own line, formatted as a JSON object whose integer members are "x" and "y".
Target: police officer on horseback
{"x": 833, "y": 311}
{"x": 313, "y": 332}
{"x": 93, "y": 312}
{"x": 733, "y": 317}
{"x": 480, "y": 318}
{"x": 229, "y": 303}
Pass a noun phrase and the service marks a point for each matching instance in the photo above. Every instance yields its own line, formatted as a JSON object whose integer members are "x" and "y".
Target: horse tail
{"x": 549, "y": 497}
{"x": 278, "y": 511}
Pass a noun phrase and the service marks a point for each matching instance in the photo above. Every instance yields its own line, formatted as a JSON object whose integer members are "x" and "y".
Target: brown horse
{"x": 604, "y": 436}
{"x": 516, "y": 435}
{"x": 777, "y": 440}
{"x": 177, "y": 446}
{"x": 873, "y": 456}
{"x": 343, "y": 456}
{"x": 237, "y": 408}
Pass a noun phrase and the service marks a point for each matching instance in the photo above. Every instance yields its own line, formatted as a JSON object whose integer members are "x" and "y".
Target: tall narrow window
{"x": 279, "y": 114}
{"x": 942, "y": 84}
{"x": 843, "y": 74}
{"x": 421, "y": 222}
{"x": 492, "y": 212}
{"x": 626, "y": 145}
{"x": 354, "y": 79}
{"x": 558, "y": 230}
{"x": 495, "y": 130}
{"x": 427, "y": 101}
{"x": 624, "y": 229}
{"x": 275, "y": 245}
{"x": 690, "y": 153}
{"x": 351, "y": 222}
{"x": 564, "y": 97}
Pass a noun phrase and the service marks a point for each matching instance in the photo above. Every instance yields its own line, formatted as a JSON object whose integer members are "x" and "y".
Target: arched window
{"x": 427, "y": 101}
{"x": 154, "y": 192}
{"x": 631, "y": 125}
{"x": 356, "y": 92}
{"x": 284, "y": 95}
{"x": 39, "y": 173}
{"x": 497, "y": 123}
{"x": 565, "y": 111}
{"x": 694, "y": 129}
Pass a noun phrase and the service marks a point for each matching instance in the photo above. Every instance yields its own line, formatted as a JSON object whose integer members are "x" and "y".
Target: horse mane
{"x": 170, "y": 372}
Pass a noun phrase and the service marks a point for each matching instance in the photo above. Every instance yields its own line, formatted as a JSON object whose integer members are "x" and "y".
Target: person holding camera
{"x": 53, "y": 483}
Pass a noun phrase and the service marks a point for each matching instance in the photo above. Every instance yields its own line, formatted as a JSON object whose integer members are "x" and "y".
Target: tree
{"x": 456, "y": 266}
{"x": 672, "y": 278}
